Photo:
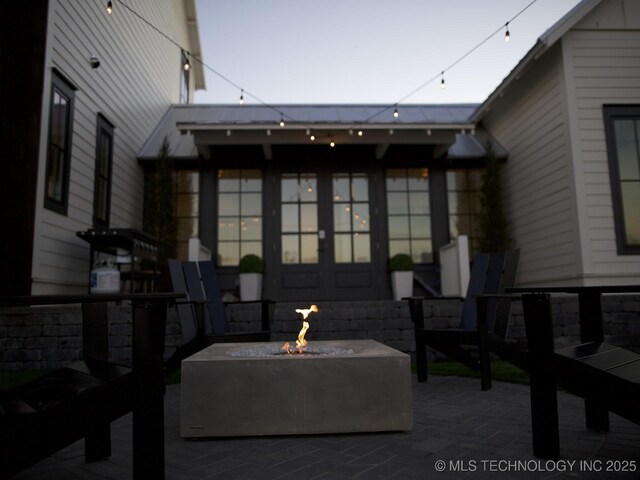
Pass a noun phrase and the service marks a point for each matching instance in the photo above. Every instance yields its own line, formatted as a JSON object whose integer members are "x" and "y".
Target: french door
{"x": 327, "y": 237}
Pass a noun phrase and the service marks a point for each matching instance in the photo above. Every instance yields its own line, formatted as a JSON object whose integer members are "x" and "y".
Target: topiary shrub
{"x": 251, "y": 264}
{"x": 400, "y": 262}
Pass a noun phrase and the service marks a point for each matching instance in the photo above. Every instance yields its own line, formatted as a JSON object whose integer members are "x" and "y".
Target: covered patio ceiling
{"x": 192, "y": 129}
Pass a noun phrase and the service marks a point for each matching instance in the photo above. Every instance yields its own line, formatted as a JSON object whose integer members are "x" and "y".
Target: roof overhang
{"x": 194, "y": 43}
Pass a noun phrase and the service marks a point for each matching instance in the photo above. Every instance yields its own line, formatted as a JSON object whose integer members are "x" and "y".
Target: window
{"x": 102, "y": 182}
{"x": 187, "y": 206}
{"x": 409, "y": 213}
{"x": 59, "y": 153}
{"x": 351, "y": 219}
{"x": 184, "y": 78}
{"x": 239, "y": 215}
{"x": 299, "y": 208}
{"x": 622, "y": 129}
{"x": 463, "y": 198}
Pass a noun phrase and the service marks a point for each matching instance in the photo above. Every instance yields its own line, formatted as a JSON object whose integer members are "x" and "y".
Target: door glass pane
{"x": 399, "y": 227}
{"x": 251, "y": 204}
{"x": 419, "y": 203}
{"x": 362, "y": 247}
{"x": 422, "y": 251}
{"x": 228, "y": 254}
{"x": 251, "y": 228}
{"x": 399, "y": 246}
{"x": 418, "y": 179}
{"x": 300, "y": 216}
{"x": 251, "y": 181}
{"x": 228, "y": 180}
{"x": 341, "y": 217}
{"x": 229, "y": 204}
{"x": 290, "y": 221}
{"x": 360, "y": 188}
{"x": 396, "y": 180}
{"x": 342, "y": 247}
{"x": 228, "y": 229}
{"x": 361, "y": 217}
{"x": 290, "y": 249}
{"x": 420, "y": 226}
{"x": 397, "y": 203}
{"x": 309, "y": 248}
{"x": 341, "y": 187}
{"x": 247, "y": 248}
{"x": 309, "y": 217}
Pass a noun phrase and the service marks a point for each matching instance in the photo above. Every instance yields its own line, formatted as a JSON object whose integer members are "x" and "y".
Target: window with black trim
{"x": 59, "y": 153}
{"x": 102, "y": 183}
{"x": 622, "y": 130}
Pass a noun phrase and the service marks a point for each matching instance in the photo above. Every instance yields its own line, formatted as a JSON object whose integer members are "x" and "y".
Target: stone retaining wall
{"x": 51, "y": 337}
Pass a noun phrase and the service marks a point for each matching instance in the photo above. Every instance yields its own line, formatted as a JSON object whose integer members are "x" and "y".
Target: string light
{"x": 395, "y": 112}
{"x": 360, "y": 133}
{"x": 281, "y": 120}
{"x": 332, "y": 144}
{"x": 187, "y": 63}
{"x": 241, "y": 96}
{"x": 312, "y": 138}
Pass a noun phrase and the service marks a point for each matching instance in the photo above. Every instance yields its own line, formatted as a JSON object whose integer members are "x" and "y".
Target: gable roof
{"x": 544, "y": 43}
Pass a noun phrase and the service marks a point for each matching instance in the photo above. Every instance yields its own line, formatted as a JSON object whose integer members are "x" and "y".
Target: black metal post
{"x": 149, "y": 321}
{"x": 483, "y": 343}
{"x": 544, "y": 401}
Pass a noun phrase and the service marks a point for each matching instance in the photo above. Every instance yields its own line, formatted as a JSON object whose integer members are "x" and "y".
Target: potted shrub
{"x": 251, "y": 268}
{"x": 401, "y": 267}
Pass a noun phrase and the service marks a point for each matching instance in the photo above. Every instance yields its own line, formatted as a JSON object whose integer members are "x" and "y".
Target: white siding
{"x": 530, "y": 121}
{"x": 602, "y": 65}
{"x": 139, "y": 77}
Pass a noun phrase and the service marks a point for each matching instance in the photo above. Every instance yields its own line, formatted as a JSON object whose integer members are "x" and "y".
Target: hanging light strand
{"x": 282, "y": 114}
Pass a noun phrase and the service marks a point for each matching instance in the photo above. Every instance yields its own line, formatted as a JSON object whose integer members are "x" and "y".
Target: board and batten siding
{"x": 138, "y": 78}
{"x": 529, "y": 120}
{"x": 602, "y": 66}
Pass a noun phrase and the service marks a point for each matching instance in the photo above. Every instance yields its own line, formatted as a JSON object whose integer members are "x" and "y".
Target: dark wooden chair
{"x": 606, "y": 376}
{"x": 81, "y": 400}
{"x": 202, "y": 313}
{"x": 483, "y": 322}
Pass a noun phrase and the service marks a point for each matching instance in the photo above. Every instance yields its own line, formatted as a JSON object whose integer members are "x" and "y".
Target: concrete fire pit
{"x": 241, "y": 389}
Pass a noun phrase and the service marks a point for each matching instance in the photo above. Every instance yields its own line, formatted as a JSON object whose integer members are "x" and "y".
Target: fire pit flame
{"x": 301, "y": 343}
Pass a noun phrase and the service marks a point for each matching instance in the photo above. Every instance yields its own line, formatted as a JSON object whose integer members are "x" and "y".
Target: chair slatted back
{"x": 503, "y": 309}
{"x": 186, "y": 311}
{"x": 477, "y": 279}
{"x": 217, "y": 312}
{"x": 196, "y": 293}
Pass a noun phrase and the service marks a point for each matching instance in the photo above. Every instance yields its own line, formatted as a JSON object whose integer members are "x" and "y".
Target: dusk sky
{"x": 364, "y": 51}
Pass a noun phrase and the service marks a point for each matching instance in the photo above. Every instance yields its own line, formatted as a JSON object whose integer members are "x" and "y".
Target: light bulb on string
{"x": 109, "y": 7}
{"x": 442, "y": 84}
{"x": 360, "y": 133}
{"x": 395, "y": 112}
{"x": 187, "y": 63}
{"x": 241, "y": 96}
{"x": 281, "y": 120}
{"x": 332, "y": 143}
{"x": 312, "y": 138}
{"x": 507, "y": 35}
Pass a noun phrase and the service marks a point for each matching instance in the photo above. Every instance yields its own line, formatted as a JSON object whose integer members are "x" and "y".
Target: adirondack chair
{"x": 483, "y": 322}
{"x": 202, "y": 314}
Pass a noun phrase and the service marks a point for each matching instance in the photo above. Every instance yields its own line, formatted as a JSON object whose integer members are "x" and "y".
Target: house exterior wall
{"x": 602, "y": 66}
{"x": 530, "y": 121}
{"x": 138, "y": 78}
{"x": 557, "y": 184}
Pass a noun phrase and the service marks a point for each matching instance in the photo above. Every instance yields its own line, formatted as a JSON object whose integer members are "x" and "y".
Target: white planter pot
{"x": 250, "y": 286}
{"x": 402, "y": 284}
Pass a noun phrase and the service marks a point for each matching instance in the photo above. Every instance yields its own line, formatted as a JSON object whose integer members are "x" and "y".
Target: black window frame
{"x": 104, "y": 130}
{"x": 610, "y": 114}
{"x": 65, "y": 89}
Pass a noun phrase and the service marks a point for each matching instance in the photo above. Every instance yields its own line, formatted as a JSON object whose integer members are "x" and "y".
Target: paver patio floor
{"x": 458, "y": 429}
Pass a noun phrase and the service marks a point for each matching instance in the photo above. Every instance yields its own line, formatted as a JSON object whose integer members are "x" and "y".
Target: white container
{"x": 402, "y": 284}
{"x": 250, "y": 286}
{"x": 105, "y": 278}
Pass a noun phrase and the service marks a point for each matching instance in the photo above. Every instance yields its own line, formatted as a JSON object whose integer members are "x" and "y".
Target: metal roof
{"x": 182, "y": 123}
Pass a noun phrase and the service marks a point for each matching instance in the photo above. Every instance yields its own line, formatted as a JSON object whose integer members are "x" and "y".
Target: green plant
{"x": 494, "y": 235}
{"x": 251, "y": 264}
{"x": 400, "y": 262}
{"x": 159, "y": 218}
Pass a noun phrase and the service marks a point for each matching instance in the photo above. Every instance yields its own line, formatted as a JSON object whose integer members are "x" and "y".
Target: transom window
{"x": 239, "y": 215}
{"x": 351, "y": 219}
{"x": 299, "y": 204}
{"x": 622, "y": 127}
{"x": 409, "y": 213}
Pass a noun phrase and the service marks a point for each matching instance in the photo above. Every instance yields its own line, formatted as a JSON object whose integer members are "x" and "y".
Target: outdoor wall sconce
{"x": 95, "y": 63}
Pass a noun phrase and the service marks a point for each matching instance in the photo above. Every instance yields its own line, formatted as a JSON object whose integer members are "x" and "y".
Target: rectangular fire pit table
{"x": 247, "y": 389}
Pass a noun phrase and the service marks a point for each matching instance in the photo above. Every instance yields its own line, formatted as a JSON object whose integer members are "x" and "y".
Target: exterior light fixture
{"x": 312, "y": 138}
{"x": 442, "y": 85}
{"x": 332, "y": 143}
{"x": 241, "y": 96}
{"x": 109, "y": 7}
{"x": 360, "y": 133}
{"x": 187, "y": 63}
{"x": 281, "y": 120}
{"x": 507, "y": 35}
{"x": 395, "y": 112}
